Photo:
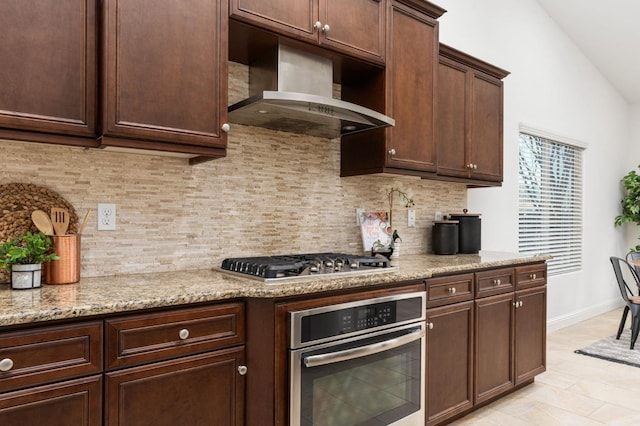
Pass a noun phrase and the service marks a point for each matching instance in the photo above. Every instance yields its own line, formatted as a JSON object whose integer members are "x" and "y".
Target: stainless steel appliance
{"x": 359, "y": 363}
{"x": 272, "y": 269}
{"x": 291, "y": 90}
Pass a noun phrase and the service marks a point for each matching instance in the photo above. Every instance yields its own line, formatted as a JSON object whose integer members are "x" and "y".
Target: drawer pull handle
{"x": 497, "y": 282}
{"x": 518, "y": 304}
{"x": 183, "y": 334}
{"x": 532, "y": 276}
{"x": 242, "y": 369}
{"x": 6, "y": 364}
{"x": 452, "y": 290}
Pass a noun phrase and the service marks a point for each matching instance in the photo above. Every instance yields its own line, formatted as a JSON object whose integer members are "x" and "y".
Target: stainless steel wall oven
{"x": 359, "y": 363}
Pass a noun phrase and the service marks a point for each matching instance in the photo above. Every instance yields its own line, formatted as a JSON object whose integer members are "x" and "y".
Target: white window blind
{"x": 550, "y": 201}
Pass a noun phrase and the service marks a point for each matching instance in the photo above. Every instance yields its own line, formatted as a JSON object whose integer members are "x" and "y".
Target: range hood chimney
{"x": 291, "y": 90}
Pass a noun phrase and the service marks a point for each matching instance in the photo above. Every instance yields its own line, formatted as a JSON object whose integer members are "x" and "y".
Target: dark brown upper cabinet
{"x": 355, "y": 28}
{"x": 49, "y": 69}
{"x": 165, "y": 75}
{"x": 406, "y": 91}
{"x": 470, "y": 123}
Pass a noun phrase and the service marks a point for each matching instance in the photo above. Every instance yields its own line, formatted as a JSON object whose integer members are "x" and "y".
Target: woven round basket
{"x": 17, "y": 202}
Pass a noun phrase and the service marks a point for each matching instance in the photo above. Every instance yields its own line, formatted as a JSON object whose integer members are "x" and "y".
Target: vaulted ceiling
{"x": 608, "y": 33}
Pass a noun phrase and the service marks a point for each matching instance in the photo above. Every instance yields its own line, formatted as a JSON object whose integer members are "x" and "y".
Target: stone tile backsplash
{"x": 275, "y": 192}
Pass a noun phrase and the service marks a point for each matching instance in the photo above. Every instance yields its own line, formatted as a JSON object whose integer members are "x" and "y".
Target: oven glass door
{"x": 373, "y": 380}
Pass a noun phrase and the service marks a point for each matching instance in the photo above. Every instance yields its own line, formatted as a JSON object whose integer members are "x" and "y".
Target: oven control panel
{"x": 368, "y": 317}
{"x": 322, "y": 324}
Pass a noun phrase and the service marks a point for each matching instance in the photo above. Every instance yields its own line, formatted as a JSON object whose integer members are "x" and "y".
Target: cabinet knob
{"x": 475, "y": 166}
{"x": 497, "y": 282}
{"x": 515, "y": 304}
{"x": 326, "y": 28}
{"x": 452, "y": 290}
{"x": 521, "y": 303}
{"x": 392, "y": 151}
{"x": 242, "y": 369}
{"x": 6, "y": 364}
{"x": 317, "y": 25}
{"x": 430, "y": 325}
{"x": 225, "y": 127}
{"x": 183, "y": 334}
{"x": 532, "y": 276}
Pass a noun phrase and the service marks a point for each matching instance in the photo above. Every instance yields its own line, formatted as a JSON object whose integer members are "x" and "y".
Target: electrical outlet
{"x": 106, "y": 217}
{"x": 411, "y": 218}
{"x": 438, "y": 216}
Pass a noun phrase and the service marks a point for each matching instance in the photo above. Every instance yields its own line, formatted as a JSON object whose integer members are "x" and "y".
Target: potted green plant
{"x": 631, "y": 202}
{"x": 24, "y": 257}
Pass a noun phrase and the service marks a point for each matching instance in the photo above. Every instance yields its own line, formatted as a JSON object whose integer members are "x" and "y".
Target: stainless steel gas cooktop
{"x": 305, "y": 266}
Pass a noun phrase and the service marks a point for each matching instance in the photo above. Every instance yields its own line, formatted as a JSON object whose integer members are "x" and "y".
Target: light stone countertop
{"x": 123, "y": 293}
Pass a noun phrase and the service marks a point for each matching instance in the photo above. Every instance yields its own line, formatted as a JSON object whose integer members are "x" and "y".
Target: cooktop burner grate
{"x": 300, "y": 265}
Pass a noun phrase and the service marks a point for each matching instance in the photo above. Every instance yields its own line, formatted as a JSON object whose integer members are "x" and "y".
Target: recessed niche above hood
{"x": 291, "y": 90}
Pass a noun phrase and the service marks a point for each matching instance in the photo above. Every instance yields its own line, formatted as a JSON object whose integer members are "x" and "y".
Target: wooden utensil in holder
{"x": 60, "y": 219}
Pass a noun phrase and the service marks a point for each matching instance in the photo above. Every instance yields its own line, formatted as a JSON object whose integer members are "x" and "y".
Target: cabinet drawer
{"x": 531, "y": 276}
{"x": 451, "y": 289}
{"x": 143, "y": 338}
{"x": 496, "y": 281}
{"x": 47, "y": 354}
{"x": 75, "y": 402}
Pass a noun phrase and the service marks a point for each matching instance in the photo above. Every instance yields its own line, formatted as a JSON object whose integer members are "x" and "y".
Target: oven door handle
{"x": 362, "y": 351}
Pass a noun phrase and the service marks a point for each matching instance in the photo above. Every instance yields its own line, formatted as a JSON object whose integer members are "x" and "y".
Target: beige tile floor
{"x": 575, "y": 390}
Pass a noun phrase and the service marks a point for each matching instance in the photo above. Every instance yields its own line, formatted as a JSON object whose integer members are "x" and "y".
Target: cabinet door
{"x": 165, "y": 71}
{"x": 531, "y": 333}
{"x": 48, "y": 73}
{"x": 294, "y": 18}
{"x": 452, "y": 119}
{"x": 449, "y": 362}
{"x": 486, "y": 128}
{"x": 204, "y": 389}
{"x": 494, "y": 346}
{"x": 411, "y": 89}
{"x": 72, "y": 403}
{"x": 356, "y": 27}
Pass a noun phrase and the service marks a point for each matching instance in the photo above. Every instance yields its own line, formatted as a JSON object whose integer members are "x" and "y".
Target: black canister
{"x": 469, "y": 232}
{"x": 445, "y": 237}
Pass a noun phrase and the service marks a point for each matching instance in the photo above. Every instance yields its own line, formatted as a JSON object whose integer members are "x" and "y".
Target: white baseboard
{"x": 577, "y": 316}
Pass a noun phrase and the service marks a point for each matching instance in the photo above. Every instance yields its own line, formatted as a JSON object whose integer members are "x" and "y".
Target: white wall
{"x": 553, "y": 87}
{"x": 632, "y": 161}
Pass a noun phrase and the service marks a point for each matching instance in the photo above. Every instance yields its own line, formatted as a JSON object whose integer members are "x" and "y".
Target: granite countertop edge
{"x": 127, "y": 293}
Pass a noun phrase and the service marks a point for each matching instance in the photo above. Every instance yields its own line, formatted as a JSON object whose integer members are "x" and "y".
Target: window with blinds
{"x": 550, "y": 201}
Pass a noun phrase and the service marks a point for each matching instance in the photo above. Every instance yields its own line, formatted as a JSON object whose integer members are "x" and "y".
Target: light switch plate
{"x": 411, "y": 218}
{"x": 359, "y": 213}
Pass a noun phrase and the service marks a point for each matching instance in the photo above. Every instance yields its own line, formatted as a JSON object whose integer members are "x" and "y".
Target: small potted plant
{"x": 24, "y": 257}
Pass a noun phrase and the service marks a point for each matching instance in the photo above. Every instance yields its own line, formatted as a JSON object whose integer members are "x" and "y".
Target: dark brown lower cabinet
{"x": 449, "y": 363}
{"x": 510, "y": 341}
{"x": 494, "y": 346}
{"x": 71, "y": 403}
{"x": 531, "y": 333}
{"x": 203, "y": 389}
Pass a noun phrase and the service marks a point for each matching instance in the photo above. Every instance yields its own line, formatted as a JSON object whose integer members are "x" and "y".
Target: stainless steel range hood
{"x": 291, "y": 90}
